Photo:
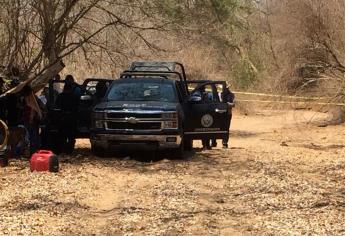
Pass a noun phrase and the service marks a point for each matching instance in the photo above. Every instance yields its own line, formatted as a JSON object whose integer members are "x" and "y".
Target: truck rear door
{"x": 206, "y": 115}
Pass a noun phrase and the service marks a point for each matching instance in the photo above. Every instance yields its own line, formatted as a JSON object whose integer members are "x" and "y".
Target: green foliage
{"x": 222, "y": 24}
{"x": 225, "y": 10}
{"x": 242, "y": 74}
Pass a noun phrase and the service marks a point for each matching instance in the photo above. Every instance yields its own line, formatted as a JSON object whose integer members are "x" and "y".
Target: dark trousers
{"x": 67, "y": 132}
{"x": 34, "y": 137}
{"x": 226, "y": 139}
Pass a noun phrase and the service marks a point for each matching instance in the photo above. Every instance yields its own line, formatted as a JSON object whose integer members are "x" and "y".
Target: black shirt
{"x": 228, "y": 96}
{"x": 12, "y": 110}
{"x": 67, "y": 102}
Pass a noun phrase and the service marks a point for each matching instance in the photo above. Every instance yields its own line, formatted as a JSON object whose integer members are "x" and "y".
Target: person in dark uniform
{"x": 12, "y": 107}
{"x": 2, "y": 100}
{"x": 101, "y": 89}
{"x": 205, "y": 98}
{"x": 228, "y": 97}
{"x": 69, "y": 79}
{"x": 68, "y": 103}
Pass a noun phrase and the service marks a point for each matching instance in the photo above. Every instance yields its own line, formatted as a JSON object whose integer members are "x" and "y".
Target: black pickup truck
{"x": 153, "y": 106}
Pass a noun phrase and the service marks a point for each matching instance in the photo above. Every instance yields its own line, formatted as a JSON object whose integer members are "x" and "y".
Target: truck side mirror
{"x": 86, "y": 98}
{"x": 194, "y": 99}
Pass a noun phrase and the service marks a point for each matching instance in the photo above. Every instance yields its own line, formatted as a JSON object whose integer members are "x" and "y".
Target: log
{"x": 39, "y": 82}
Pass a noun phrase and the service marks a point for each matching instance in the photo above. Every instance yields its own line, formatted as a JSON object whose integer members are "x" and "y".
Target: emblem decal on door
{"x": 207, "y": 120}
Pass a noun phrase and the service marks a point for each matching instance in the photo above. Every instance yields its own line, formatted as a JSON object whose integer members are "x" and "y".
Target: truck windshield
{"x": 142, "y": 91}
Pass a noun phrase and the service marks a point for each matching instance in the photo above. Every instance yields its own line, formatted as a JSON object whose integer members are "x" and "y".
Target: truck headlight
{"x": 170, "y": 116}
{"x": 170, "y": 120}
{"x": 98, "y": 115}
{"x": 98, "y": 119}
{"x": 170, "y": 124}
{"x": 99, "y": 124}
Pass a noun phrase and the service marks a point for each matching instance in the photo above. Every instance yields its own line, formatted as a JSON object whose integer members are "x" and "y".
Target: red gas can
{"x": 44, "y": 160}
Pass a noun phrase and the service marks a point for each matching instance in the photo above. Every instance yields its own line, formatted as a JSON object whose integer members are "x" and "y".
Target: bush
{"x": 243, "y": 75}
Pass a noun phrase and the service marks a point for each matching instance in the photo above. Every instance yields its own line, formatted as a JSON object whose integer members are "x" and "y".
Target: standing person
{"x": 219, "y": 88}
{"x": 14, "y": 73}
{"x": 3, "y": 100}
{"x": 12, "y": 107}
{"x": 69, "y": 79}
{"x": 101, "y": 89}
{"x": 68, "y": 103}
{"x": 44, "y": 96}
{"x": 228, "y": 97}
{"x": 56, "y": 90}
{"x": 56, "y": 86}
{"x": 205, "y": 98}
{"x": 31, "y": 117}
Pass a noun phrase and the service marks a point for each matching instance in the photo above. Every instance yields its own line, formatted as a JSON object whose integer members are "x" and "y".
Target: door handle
{"x": 220, "y": 111}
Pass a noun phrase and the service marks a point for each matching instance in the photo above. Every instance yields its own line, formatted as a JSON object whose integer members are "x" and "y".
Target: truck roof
{"x": 153, "y": 66}
{"x": 145, "y": 79}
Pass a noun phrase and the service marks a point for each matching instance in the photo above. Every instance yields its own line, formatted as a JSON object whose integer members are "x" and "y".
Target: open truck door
{"x": 87, "y": 102}
{"x": 208, "y": 116}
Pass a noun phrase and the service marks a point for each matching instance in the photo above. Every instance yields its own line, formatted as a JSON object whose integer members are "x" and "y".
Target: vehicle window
{"x": 91, "y": 87}
{"x": 192, "y": 86}
{"x": 208, "y": 93}
{"x": 58, "y": 87}
{"x": 142, "y": 91}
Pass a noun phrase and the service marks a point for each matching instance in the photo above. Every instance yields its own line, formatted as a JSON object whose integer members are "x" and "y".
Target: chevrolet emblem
{"x": 131, "y": 120}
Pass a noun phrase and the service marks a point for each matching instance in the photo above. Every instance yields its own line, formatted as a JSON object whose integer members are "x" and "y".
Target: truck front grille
{"x": 111, "y": 125}
{"x": 135, "y": 115}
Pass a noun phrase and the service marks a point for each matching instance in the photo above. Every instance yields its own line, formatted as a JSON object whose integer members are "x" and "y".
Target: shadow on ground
{"x": 243, "y": 134}
{"x": 196, "y": 162}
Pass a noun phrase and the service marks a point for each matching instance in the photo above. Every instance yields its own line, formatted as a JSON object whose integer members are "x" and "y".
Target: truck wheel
{"x": 69, "y": 147}
{"x": 97, "y": 151}
{"x": 188, "y": 144}
{"x": 178, "y": 153}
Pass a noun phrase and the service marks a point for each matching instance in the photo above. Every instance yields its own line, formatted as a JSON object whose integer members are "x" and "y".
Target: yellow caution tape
{"x": 293, "y": 102}
{"x": 280, "y": 96}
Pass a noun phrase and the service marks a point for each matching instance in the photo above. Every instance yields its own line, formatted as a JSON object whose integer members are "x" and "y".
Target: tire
{"x": 69, "y": 147}
{"x": 188, "y": 144}
{"x": 178, "y": 153}
{"x": 98, "y": 151}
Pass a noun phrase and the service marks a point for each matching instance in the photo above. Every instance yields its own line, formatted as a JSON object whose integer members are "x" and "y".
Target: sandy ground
{"x": 283, "y": 175}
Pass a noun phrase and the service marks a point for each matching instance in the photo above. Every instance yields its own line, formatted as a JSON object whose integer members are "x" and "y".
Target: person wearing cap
{"x": 68, "y": 103}
{"x": 69, "y": 79}
{"x": 228, "y": 97}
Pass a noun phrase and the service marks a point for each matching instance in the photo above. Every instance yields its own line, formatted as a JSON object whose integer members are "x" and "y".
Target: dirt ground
{"x": 283, "y": 175}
